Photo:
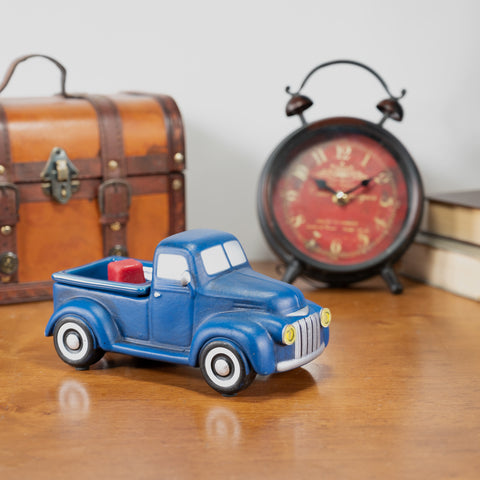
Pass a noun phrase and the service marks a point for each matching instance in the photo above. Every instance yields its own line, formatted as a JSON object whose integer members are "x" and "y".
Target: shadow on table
{"x": 279, "y": 385}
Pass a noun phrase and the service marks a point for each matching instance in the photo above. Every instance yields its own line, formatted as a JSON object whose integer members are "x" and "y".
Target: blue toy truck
{"x": 198, "y": 303}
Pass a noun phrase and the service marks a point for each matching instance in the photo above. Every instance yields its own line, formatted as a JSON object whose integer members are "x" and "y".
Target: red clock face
{"x": 342, "y": 200}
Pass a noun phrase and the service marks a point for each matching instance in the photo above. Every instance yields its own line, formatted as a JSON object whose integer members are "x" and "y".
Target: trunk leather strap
{"x": 114, "y": 194}
{"x": 176, "y": 149}
{"x": 9, "y": 204}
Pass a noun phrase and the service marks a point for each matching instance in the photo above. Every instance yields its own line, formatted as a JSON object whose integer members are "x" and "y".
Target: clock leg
{"x": 392, "y": 280}
{"x": 293, "y": 270}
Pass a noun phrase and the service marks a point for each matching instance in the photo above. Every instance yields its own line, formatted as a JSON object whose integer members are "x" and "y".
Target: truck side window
{"x": 171, "y": 266}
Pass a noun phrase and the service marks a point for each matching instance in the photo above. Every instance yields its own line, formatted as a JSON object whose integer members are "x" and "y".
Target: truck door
{"x": 171, "y": 311}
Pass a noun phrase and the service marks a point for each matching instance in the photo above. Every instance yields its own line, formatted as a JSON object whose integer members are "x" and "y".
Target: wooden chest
{"x": 82, "y": 177}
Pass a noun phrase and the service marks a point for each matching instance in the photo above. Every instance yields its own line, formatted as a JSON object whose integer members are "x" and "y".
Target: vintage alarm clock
{"x": 340, "y": 199}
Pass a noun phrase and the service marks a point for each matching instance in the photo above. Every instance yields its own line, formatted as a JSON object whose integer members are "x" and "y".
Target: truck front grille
{"x": 308, "y": 332}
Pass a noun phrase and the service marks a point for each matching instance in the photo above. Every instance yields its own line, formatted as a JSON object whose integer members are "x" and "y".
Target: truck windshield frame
{"x": 220, "y": 258}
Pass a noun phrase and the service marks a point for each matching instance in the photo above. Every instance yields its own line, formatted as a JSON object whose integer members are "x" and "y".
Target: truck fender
{"x": 93, "y": 314}
{"x": 251, "y": 339}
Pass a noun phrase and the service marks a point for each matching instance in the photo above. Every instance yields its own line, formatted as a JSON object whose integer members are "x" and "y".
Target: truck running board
{"x": 141, "y": 350}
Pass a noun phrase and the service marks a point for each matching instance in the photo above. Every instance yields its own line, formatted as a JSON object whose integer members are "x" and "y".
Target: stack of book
{"x": 446, "y": 251}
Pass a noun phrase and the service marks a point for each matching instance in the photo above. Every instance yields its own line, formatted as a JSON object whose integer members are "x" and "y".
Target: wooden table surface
{"x": 396, "y": 394}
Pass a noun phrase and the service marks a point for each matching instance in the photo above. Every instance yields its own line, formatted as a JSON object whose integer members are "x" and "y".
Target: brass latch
{"x": 59, "y": 176}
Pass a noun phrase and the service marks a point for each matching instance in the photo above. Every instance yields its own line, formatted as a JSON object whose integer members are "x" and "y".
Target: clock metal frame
{"x": 299, "y": 263}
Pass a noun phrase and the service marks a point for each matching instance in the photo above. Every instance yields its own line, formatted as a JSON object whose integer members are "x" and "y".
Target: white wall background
{"x": 227, "y": 64}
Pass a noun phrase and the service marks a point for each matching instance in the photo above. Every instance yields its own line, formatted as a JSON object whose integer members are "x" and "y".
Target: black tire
{"x": 75, "y": 344}
{"x": 224, "y": 369}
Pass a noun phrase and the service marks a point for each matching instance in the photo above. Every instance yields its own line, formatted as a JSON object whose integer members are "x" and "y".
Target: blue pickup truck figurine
{"x": 198, "y": 303}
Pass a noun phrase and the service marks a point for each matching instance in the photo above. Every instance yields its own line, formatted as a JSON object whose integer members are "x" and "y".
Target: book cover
{"x": 454, "y": 215}
{"x": 444, "y": 263}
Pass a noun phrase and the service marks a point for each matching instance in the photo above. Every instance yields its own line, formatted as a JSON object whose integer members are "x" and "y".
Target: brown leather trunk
{"x": 81, "y": 177}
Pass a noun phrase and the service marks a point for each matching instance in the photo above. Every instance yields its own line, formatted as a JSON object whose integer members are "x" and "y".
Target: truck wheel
{"x": 75, "y": 344}
{"x": 224, "y": 369}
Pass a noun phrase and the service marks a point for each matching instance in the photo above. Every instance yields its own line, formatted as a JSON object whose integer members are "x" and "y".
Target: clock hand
{"x": 339, "y": 197}
{"x": 363, "y": 183}
{"x": 323, "y": 185}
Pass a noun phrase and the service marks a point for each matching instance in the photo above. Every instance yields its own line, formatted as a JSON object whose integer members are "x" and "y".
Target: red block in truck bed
{"x": 128, "y": 271}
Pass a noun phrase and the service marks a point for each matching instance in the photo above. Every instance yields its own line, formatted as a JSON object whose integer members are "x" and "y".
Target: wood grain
{"x": 395, "y": 395}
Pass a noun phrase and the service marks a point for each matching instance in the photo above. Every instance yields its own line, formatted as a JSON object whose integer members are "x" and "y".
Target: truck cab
{"x": 200, "y": 304}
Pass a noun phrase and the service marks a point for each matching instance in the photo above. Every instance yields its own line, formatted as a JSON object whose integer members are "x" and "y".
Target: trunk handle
{"x": 17, "y": 61}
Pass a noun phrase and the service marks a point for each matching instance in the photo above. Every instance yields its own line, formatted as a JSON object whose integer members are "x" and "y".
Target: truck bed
{"x": 95, "y": 276}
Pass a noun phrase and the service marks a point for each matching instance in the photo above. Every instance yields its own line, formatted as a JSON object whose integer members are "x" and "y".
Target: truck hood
{"x": 247, "y": 288}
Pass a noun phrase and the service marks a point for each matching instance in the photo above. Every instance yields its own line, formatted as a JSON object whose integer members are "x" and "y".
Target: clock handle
{"x": 390, "y": 107}
{"x": 391, "y": 279}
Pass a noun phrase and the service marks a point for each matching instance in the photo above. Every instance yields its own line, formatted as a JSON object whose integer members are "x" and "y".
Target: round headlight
{"x": 289, "y": 335}
{"x": 325, "y": 317}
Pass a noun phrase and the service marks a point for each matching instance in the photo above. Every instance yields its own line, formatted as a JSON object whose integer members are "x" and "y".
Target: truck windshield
{"x": 222, "y": 257}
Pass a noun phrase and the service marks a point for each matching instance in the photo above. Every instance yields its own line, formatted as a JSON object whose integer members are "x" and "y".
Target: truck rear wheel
{"x": 224, "y": 369}
{"x": 74, "y": 343}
